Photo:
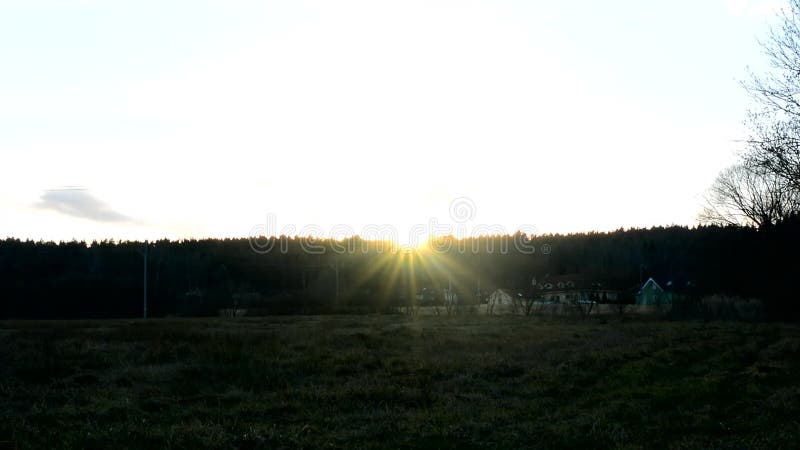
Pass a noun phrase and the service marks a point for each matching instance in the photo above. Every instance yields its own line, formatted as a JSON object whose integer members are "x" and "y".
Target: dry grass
{"x": 389, "y": 381}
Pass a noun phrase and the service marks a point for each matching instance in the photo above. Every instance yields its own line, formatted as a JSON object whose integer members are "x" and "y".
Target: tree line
{"x": 747, "y": 245}
{"x": 200, "y": 277}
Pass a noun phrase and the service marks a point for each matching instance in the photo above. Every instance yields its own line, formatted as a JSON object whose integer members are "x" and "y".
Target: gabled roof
{"x": 566, "y": 283}
{"x": 507, "y": 291}
{"x": 651, "y": 281}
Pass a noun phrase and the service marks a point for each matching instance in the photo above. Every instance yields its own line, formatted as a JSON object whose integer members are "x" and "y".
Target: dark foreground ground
{"x": 383, "y": 381}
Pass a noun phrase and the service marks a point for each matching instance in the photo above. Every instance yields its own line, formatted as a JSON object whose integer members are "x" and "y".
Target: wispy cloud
{"x": 78, "y": 202}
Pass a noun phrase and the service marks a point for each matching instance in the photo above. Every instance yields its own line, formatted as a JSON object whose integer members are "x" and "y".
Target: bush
{"x": 716, "y": 307}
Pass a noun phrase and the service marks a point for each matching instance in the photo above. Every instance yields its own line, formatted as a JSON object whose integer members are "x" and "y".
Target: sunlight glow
{"x": 362, "y": 113}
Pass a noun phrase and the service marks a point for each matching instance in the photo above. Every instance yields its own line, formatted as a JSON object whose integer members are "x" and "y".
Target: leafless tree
{"x": 774, "y": 148}
{"x": 490, "y": 302}
{"x": 524, "y": 304}
{"x": 450, "y": 301}
{"x": 746, "y": 195}
{"x": 518, "y": 304}
{"x": 764, "y": 187}
{"x": 774, "y": 144}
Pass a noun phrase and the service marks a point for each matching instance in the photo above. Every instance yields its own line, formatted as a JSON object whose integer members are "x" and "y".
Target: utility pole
{"x": 144, "y": 309}
{"x": 335, "y": 266}
{"x": 337, "y": 278}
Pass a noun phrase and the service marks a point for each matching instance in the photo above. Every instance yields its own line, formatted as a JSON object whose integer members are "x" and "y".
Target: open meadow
{"x": 393, "y": 381}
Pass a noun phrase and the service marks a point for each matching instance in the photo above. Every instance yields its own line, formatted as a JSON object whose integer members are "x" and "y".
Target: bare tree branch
{"x": 747, "y": 196}
{"x": 774, "y": 144}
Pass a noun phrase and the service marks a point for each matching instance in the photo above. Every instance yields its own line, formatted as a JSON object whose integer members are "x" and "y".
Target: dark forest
{"x": 200, "y": 277}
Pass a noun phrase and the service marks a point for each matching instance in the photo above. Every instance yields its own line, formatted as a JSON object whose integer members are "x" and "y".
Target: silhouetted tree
{"x": 774, "y": 144}
{"x": 764, "y": 187}
{"x": 746, "y": 196}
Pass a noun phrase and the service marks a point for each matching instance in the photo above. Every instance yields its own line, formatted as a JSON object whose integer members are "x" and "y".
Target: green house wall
{"x": 651, "y": 294}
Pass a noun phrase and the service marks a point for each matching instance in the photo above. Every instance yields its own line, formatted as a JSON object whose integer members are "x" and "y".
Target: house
{"x": 652, "y": 294}
{"x": 501, "y": 296}
{"x": 572, "y": 288}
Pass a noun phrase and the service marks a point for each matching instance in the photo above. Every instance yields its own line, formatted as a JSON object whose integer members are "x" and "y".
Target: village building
{"x": 572, "y": 288}
{"x": 652, "y": 293}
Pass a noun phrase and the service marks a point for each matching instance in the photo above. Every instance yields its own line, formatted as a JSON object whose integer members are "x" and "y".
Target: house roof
{"x": 509, "y": 292}
{"x": 566, "y": 282}
{"x": 652, "y": 282}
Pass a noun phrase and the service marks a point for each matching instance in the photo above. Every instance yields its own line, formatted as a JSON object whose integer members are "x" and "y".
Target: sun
{"x": 411, "y": 239}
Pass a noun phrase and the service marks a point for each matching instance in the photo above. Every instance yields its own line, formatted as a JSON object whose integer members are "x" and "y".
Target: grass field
{"x": 390, "y": 381}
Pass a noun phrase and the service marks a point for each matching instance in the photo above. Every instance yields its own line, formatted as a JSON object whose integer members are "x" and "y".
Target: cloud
{"x": 77, "y": 202}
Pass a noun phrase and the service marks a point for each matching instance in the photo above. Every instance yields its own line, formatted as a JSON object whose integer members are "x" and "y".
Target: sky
{"x": 151, "y": 119}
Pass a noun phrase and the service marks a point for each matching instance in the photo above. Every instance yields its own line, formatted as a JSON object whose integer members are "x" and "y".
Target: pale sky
{"x": 204, "y": 118}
